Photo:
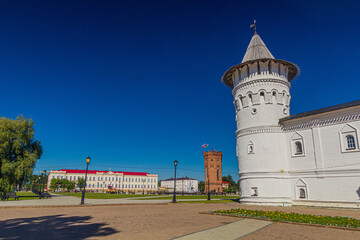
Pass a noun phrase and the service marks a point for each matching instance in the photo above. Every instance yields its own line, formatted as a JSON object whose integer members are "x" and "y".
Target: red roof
{"x": 224, "y": 182}
{"x": 96, "y": 171}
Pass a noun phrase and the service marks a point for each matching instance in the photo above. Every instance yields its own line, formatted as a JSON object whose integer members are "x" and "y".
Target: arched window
{"x": 218, "y": 174}
{"x": 250, "y": 99}
{"x": 350, "y": 142}
{"x": 298, "y": 148}
{"x": 302, "y": 193}
{"x": 250, "y": 147}
{"x": 262, "y": 97}
{"x": 274, "y": 97}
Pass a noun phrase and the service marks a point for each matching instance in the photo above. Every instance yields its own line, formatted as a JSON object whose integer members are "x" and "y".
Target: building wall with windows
{"x": 130, "y": 182}
{"x": 186, "y": 185}
{"x": 324, "y": 155}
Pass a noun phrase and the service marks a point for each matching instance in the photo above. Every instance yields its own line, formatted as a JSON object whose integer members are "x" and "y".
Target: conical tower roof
{"x": 257, "y": 50}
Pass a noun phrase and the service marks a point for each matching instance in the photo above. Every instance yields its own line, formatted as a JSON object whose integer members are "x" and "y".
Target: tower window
{"x": 250, "y": 99}
{"x": 350, "y": 141}
{"x": 218, "y": 174}
{"x": 254, "y": 191}
{"x": 262, "y": 94}
{"x": 298, "y": 148}
{"x": 250, "y": 147}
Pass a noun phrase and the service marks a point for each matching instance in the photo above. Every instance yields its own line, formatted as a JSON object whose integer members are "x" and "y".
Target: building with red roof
{"x": 102, "y": 181}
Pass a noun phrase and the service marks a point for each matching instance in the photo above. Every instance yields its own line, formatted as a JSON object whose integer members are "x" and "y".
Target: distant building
{"x": 225, "y": 185}
{"x": 213, "y": 171}
{"x": 186, "y": 185}
{"x": 131, "y": 182}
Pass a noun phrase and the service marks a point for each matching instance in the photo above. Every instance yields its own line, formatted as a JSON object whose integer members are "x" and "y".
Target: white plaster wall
{"x": 329, "y": 173}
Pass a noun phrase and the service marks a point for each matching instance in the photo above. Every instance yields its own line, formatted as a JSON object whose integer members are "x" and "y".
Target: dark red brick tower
{"x": 213, "y": 170}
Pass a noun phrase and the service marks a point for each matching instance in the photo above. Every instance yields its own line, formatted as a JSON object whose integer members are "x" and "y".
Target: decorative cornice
{"x": 260, "y": 82}
{"x": 257, "y": 130}
{"x": 301, "y": 124}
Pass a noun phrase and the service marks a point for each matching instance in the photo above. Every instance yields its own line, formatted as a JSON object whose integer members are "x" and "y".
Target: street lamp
{"x": 44, "y": 181}
{"x": 174, "y": 197}
{"x": 83, "y": 193}
{"x": 208, "y": 185}
{"x": 143, "y": 180}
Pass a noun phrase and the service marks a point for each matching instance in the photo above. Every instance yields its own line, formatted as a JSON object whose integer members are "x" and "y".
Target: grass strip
{"x": 211, "y": 201}
{"x": 102, "y": 195}
{"x": 192, "y": 197}
{"x": 279, "y": 216}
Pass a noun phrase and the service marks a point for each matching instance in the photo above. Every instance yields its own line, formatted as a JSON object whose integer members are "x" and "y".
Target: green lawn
{"x": 26, "y": 196}
{"x": 103, "y": 195}
{"x": 194, "y": 197}
{"x": 212, "y": 201}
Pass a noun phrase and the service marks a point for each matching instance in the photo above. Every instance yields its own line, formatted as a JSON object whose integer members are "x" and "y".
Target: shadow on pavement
{"x": 53, "y": 227}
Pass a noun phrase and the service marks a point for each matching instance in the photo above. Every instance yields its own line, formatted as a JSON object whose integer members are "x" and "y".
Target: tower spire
{"x": 254, "y": 26}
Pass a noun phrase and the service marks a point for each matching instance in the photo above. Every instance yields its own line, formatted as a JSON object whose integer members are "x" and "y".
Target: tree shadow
{"x": 53, "y": 227}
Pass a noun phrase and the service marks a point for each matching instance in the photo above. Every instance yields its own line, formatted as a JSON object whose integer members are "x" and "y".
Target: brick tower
{"x": 213, "y": 170}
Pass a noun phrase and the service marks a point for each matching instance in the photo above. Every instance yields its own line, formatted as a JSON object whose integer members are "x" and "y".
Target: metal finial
{"x": 254, "y": 26}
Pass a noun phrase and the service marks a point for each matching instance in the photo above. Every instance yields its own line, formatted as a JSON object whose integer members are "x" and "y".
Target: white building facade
{"x": 186, "y": 185}
{"x": 128, "y": 182}
{"x": 311, "y": 158}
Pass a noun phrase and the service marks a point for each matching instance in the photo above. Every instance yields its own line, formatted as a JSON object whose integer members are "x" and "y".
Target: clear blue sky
{"x": 136, "y": 84}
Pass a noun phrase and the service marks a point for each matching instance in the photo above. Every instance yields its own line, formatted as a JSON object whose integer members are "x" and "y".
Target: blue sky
{"x": 136, "y": 84}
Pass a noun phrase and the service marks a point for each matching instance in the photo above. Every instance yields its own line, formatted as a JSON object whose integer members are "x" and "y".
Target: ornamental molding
{"x": 260, "y": 82}
{"x": 257, "y": 130}
{"x": 344, "y": 118}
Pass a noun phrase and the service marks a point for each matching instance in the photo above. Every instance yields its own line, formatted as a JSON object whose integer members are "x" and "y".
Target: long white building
{"x": 130, "y": 182}
{"x": 311, "y": 158}
{"x": 185, "y": 184}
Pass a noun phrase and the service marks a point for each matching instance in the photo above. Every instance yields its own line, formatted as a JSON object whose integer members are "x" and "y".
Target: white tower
{"x": 261, "y": 97}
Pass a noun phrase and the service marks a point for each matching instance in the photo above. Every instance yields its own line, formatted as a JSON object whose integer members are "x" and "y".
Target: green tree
{"x": 68, "y": 185}
{"x": 80, "y": 183}
{"x": 55, "y": 184}
{"x": 233, "y": 187}
{"x": 19, "y": 152}
{"x": 201, "y": 186}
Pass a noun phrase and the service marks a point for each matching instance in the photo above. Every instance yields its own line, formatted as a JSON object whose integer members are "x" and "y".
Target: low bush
{"x": 293, "y": 217}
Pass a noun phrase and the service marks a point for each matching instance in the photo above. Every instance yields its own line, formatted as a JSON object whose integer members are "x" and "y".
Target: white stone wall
{"x": 326, "y": 171}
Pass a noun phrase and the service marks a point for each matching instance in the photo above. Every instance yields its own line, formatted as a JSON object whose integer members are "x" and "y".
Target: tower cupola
{"x": 258, "y": 60}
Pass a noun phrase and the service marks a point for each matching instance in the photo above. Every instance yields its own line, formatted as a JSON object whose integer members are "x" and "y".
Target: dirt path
{"x": 148, "y": 222}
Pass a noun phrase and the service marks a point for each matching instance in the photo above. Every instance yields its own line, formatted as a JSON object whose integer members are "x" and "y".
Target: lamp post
{"x": 182, "y": 187}
{"x": 44, "y": 181}
{"x": 40, "y": 185}
{"x": 174, "y": 197}
{"x": 208, "y": 185}
{"x": 143, "y": 180}
{"x": 83, "y": 193}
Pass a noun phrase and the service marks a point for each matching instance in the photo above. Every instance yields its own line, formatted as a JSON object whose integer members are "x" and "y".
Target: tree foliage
{"x": 80, "y": 183}
{"x": 19, "y": 152}
{"x": 56, "y": 184}
{"x": 233, "y": 186}
{"x": 201, "y": 186}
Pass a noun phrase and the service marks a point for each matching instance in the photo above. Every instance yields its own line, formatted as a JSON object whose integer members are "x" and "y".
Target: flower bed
{"x": 279, "y": 216}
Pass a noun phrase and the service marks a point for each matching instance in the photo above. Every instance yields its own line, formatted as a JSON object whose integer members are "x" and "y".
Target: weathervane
{"x": 254, "y": 26}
